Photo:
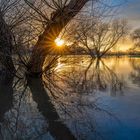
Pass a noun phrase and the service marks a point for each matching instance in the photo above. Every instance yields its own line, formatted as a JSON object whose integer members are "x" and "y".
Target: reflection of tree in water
{"x": 61, "y": 106}
{"x": 17, "y": 124}
{"x": 6, "y": 98}
{"x": 72, "y": 93}
{"x": 111, "y": 80}
{"x": 96, "y": 76}
{"x": 56, "y": 128}
{"x": 135, "y": 74}
{"x": 20, "y": 118}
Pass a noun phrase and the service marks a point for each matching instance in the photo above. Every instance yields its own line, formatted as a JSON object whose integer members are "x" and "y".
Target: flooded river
{"x": 80, "y": 98}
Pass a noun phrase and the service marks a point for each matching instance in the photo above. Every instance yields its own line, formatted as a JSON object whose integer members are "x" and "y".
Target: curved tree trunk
{"x": 45, "y": 42}
{"x": 6, "y": 46}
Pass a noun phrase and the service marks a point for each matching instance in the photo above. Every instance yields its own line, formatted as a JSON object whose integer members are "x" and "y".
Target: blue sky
{"x": 127, "y": 9}
{"x": 130, "y": 10}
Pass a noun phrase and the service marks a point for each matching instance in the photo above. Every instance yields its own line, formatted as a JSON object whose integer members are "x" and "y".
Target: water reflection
{"x": 6, "y": 99}
{"x": 135, "y": 74}
{"x": 65, "y": 104}
{"x": 56, "y": 128}
{"x": 95, "y": 76}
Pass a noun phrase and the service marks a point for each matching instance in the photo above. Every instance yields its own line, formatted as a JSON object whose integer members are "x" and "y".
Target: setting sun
{"x": 59, "y": 42}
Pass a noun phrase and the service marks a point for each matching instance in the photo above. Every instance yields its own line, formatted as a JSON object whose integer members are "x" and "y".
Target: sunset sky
{"x": 129, "y": 10}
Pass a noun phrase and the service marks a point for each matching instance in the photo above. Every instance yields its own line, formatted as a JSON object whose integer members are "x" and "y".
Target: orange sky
{"x": 124, "y": 44}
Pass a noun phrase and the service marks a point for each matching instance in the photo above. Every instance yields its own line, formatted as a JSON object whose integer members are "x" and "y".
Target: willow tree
{"x": 61, "y": 12}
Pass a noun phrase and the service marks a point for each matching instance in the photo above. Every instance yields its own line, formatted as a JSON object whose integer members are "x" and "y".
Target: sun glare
{"x": 59, "y": 42}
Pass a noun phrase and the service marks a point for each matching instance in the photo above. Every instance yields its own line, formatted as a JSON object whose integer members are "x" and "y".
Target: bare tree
{"x": 36, "y": 24}
{"x": 5, "y": 45}
{"x": 12, "y": 16}
{"x": 61, "y": 13}
{"x": 98, "y": 37}
{"x": 136, "y": 38}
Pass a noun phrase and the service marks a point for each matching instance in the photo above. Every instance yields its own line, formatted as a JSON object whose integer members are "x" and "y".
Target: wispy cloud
{"x": 131, "y": 11}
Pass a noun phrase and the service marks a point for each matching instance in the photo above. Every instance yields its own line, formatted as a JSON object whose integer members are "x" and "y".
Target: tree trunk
{"x": 6, "y": 46}
{"x": 45, "y": 43}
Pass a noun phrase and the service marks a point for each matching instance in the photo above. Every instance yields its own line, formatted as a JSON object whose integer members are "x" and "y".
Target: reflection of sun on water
{"x": 59, "y": 42}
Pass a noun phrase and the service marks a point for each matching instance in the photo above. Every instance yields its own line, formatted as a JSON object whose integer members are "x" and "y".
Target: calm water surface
{"x": 81, "y": 98}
